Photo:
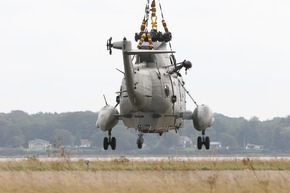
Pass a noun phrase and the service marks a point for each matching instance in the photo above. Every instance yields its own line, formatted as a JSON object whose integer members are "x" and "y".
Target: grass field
{"x": 145, "y": 181}
{"x": 122, "y": 175}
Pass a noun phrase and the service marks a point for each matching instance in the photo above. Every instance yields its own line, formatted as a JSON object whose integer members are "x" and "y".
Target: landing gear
{"x": 140, "y": 140}
{"x": 113, "y": 143}
{"x": 109, "y": 141}
{"x": 106, "y": 143}
{"x": 203, "y": 140}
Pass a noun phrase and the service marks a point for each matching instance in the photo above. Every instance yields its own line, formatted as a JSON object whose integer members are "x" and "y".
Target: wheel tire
{"x": 199, "y": 143}
{"x": 106, "y": 143}
{"x": 139, "y": 143}
{"x": 113, "y": 143}
{"x": 207, "y": 143}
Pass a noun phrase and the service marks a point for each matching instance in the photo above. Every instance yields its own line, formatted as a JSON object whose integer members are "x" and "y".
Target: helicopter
{"x": 152, "y": 96}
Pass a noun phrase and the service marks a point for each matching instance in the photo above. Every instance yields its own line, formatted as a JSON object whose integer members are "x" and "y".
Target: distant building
{"x": 215, "y": 144}
{"x": 38, "y": 144}
{"x": 253, "y": 146}
{"x": 85, "y": 143}
{"x": 184, "y": 142}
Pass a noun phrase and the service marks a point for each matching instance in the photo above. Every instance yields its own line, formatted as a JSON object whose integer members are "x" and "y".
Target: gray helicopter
{"x": 152, "y": 97}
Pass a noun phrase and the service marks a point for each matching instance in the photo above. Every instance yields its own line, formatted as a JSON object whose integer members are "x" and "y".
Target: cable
{"x": 187, "y": 92}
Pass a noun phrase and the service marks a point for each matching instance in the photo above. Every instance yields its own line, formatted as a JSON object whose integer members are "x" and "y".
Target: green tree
{"x": 285, "y": 139}
{"x": 228, "y": 140}
{"x": 62, "y": 137}
{"x": 13, "y": 136}
{"x": 15, "y": 141}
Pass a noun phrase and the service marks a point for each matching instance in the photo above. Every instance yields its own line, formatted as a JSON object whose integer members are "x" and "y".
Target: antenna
{"x": 120, "y": 71}
{"x": 105, "y": 99}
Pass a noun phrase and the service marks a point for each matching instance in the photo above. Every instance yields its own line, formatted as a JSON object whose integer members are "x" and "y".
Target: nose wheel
{"x": 109, "y": 141}
{"x": 140, "y": 140}
{"x": 203, "y": 140}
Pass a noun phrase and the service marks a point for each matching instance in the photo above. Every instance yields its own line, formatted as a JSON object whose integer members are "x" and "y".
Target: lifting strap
{"x": 144, "y": 35}
{"x": 153, "y": 15}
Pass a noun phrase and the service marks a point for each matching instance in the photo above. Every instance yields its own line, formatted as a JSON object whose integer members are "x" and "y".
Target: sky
{"x": 53, "y": 56}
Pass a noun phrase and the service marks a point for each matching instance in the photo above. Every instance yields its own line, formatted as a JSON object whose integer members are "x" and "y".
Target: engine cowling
{"x": 107, "y": 118}
{"x": 202, "y": 117}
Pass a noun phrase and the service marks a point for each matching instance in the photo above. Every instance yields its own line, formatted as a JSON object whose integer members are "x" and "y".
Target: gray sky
{"x": 53, "y": 56}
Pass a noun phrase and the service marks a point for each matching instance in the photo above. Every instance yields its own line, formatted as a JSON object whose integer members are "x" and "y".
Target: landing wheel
{"x": 113, "y": 143}
{"x": 207, "y": 142}
{"x": 199, "y": 143}
{"x": 106, "y": 143}
{"x": 109, "y": 141}
{"x": 139, "y": 145}
{"x": 140, "y": 141}
{"x": 203, "y": 140}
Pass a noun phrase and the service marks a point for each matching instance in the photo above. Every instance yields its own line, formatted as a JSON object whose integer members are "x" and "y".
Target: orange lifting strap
{"x": 153, "y": 15}
{"x": 144, "y": 35}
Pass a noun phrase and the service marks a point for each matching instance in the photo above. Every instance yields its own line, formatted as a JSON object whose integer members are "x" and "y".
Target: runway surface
{"x": 147, "y": 158}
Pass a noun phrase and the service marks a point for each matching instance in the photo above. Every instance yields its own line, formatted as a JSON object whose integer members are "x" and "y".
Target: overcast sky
{"x": 53, "y": 56}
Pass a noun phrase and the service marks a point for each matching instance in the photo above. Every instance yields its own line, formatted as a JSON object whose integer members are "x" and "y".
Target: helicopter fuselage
{"x": 159, "y": 99}
{"x": 151, "y": 99}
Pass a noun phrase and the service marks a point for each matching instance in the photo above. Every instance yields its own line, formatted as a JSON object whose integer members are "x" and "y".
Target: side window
{"x": 166, "y": 90}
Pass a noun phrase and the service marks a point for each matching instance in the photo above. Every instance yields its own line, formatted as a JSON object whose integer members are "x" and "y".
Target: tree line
{"x": 17, "y": 128}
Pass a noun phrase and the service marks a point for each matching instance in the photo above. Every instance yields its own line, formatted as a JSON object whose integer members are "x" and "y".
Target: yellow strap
{"x": 153, "y": 15}
{"x": 141, "y": 40}
{"x": 150, "y": 41}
